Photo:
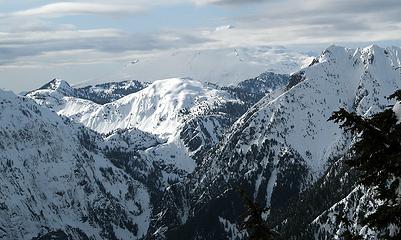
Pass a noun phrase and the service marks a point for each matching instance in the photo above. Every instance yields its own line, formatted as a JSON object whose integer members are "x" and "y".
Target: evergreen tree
{"x": 377, "y": 155}
{"x": 253, "y": 222}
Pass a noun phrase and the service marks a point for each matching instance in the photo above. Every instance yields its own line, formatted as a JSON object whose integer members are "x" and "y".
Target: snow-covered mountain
{"x": 223, "y": 66}
{"x": 280, "y": 147}
{"x": 56, "y": 182}
{"x": 157, "y": 109}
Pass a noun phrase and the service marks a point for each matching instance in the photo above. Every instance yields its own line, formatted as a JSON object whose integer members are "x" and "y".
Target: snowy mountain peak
{"x": 373, "y": 48}
{"x": 58, "y": 85}
{"x": 53, "y": 92}
{"x": 109, "y": 92}
{"x": 367, "y": 54}
{"x": 185, "y": 89}
{"x": 158, "y": 108}
{"x": 333, "y": 53}
{"x": 221, "y": 66}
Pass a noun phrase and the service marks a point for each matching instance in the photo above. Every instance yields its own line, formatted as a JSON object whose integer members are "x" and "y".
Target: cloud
{"x": 268, "y": 22}
{"x": 314, "y": 22}
{"x": 24, "y": 38}
{"x": 17, "y": 46}
{"x": 76, "y": 8}
{"x": 226, "y": 2}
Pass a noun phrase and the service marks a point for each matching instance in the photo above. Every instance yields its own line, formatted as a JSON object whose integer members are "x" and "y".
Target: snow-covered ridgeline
{"x": 55, "y": 182}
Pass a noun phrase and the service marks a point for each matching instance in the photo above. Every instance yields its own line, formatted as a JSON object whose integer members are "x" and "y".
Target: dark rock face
{"x": 295, "y": 79}
{"x": 215, "y": 199}
{"x": 74, "y": 234}
{"x": 300, "y": 211}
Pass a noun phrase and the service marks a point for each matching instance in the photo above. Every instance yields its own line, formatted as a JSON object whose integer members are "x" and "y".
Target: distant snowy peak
{"x": 158, "y": 109}
{"x": 227, "y": 66}
{"x": 100, "y": 94}
{"x": 265, "y": 82}
{"x": 109, "y": 92}
{"x": 60, "y": 86}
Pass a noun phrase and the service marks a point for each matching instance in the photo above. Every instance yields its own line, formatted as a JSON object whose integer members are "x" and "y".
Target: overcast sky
{"x": 75, "y": 40}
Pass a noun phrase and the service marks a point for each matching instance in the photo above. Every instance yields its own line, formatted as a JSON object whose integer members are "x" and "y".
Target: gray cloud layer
{"x": 227, "y": 2}
{"x": 75, "y": 8}
{"x": 17, "y": 45}
{"x": 286, "y": 22}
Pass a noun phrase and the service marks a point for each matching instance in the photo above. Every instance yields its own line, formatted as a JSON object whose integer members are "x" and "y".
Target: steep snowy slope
{"x": 279, "y": 147}
{"x": 347, "y": 214}
{"x": 359, "y": 212}
{"x": 297, "y": 120}
{"x": 224, "y": 66}
{"x": 55, "y": 181}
